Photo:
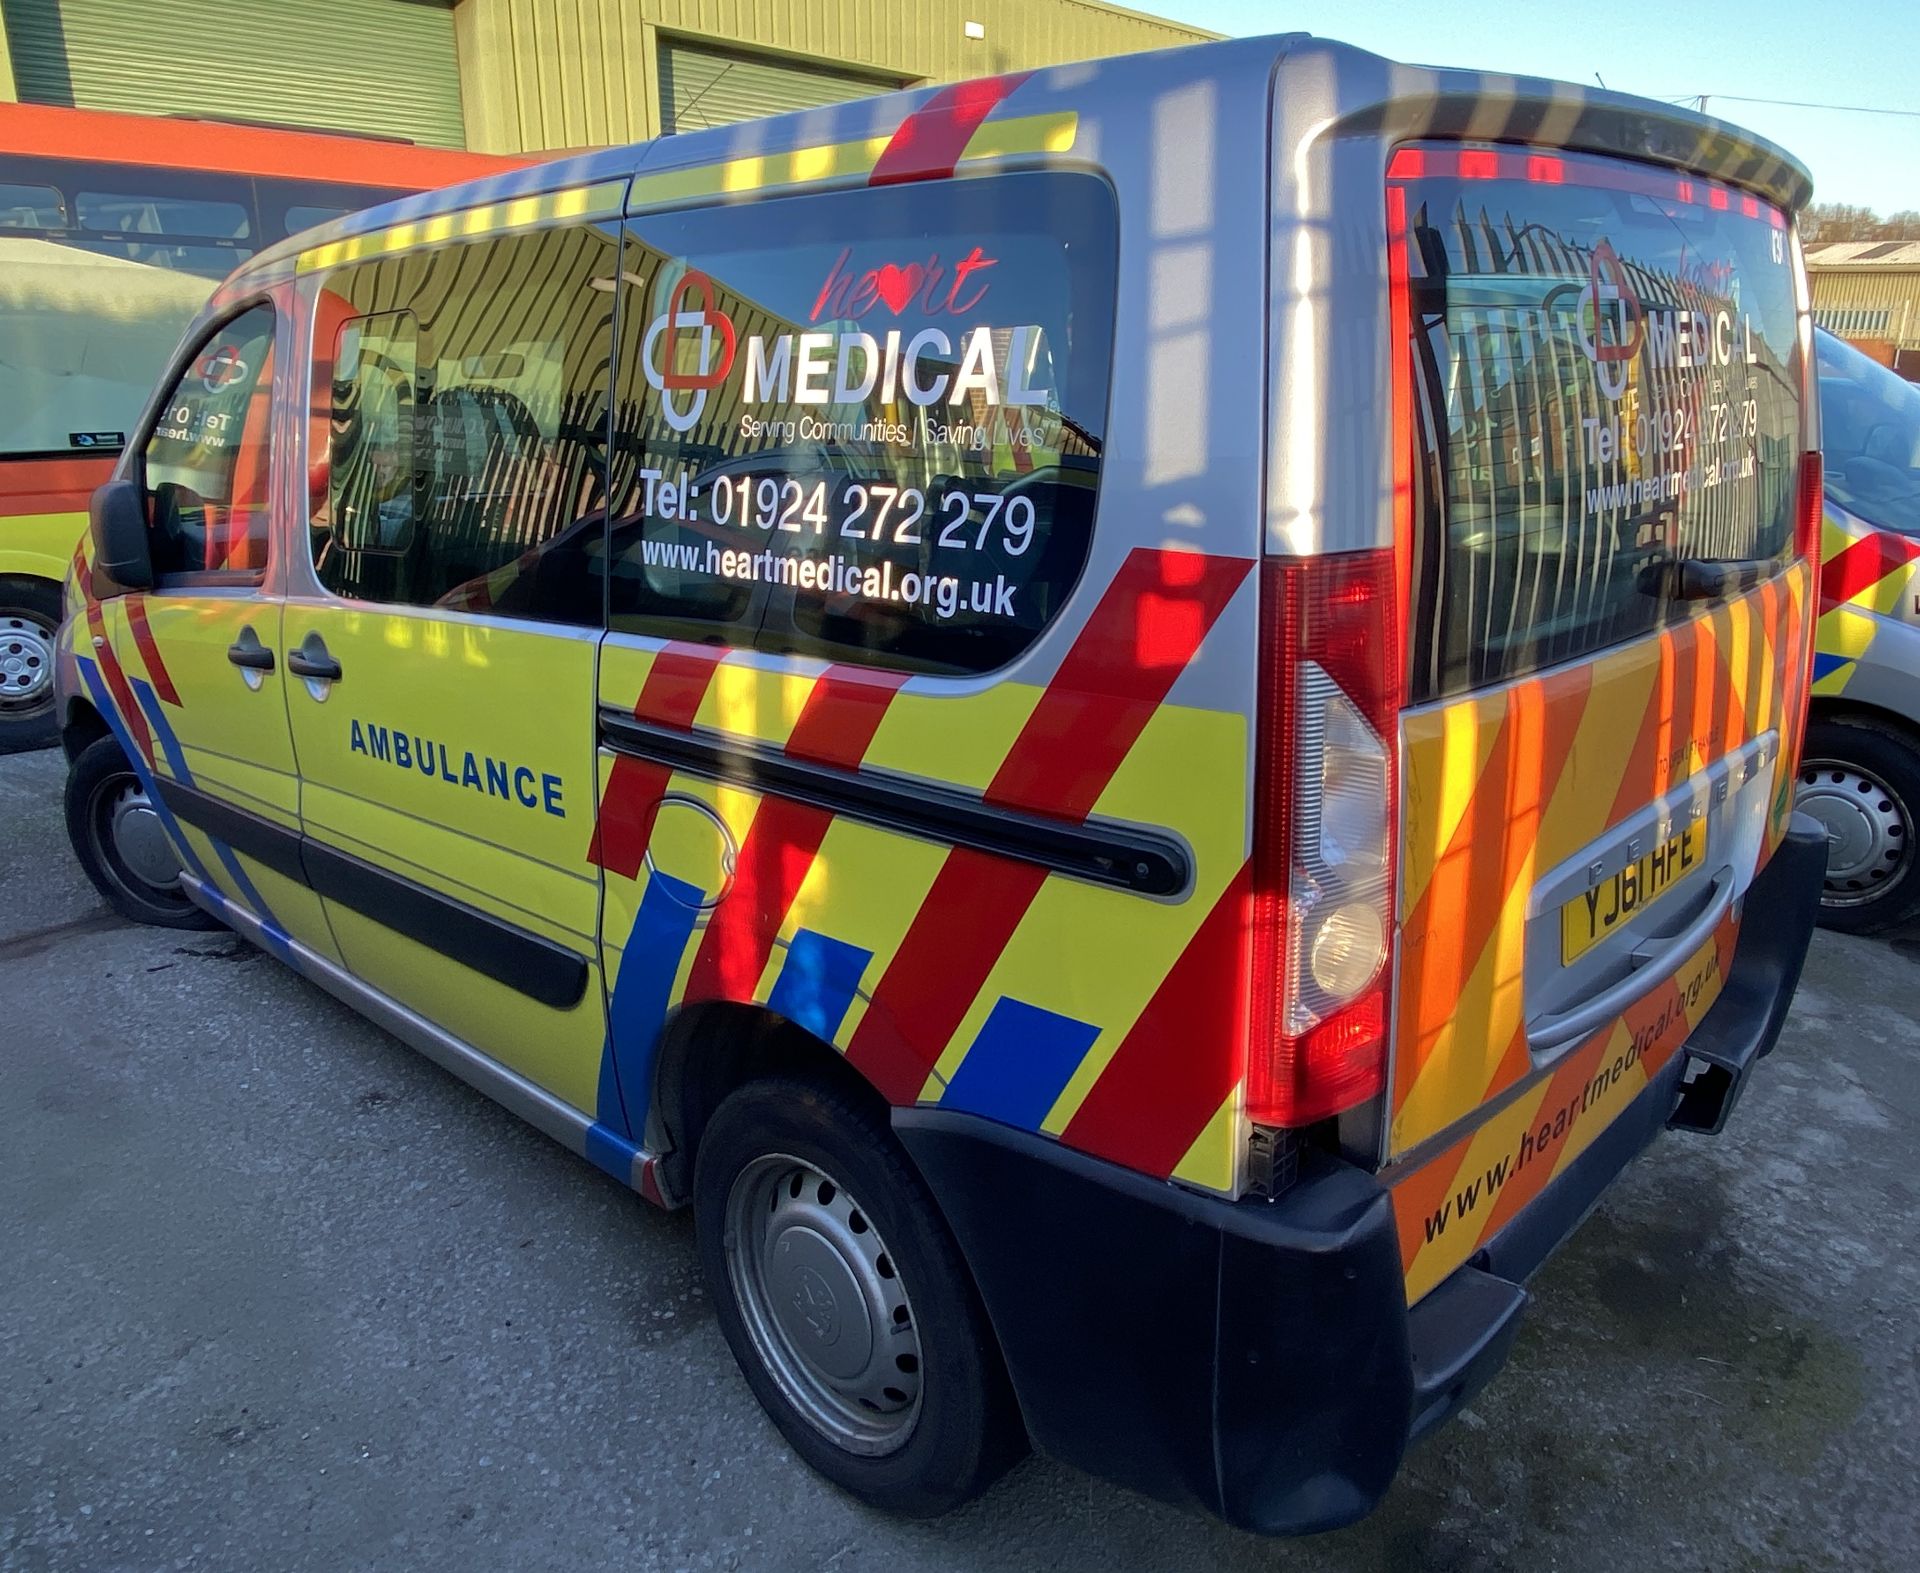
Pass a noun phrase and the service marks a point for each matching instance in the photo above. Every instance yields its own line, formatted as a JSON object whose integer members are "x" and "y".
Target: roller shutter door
{"x": 715, "y": 87}
{"x": 384, "y": 67}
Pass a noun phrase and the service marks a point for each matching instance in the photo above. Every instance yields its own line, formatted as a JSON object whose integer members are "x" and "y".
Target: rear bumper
{"x": 1257, "y": 1359}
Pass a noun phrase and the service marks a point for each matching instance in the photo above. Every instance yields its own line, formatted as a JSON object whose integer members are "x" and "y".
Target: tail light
{"x": 1810, "y": 507}
{"x": 1324, "y": 830}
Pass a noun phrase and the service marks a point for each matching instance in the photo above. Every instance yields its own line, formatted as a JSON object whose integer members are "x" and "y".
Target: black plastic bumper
{"x": 1257, "y": 1359}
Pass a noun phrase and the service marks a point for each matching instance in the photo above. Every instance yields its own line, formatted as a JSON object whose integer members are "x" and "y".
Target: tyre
{"x": 121, "y": 843}
{"x": 1862, "y": 781}
{"x": 29, "y": 623}
{"x": 846, "y": 1301}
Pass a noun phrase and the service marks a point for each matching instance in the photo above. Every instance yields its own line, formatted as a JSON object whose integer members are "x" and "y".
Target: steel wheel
{"x": 130, "y": 840}
{"x": 26, "y": 664}
{"x": 1870, "y": 832}
{"x": 824, "y": 1304}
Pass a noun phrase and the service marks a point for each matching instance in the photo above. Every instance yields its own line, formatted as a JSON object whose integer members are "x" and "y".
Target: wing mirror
{"x": 117, "y": 516}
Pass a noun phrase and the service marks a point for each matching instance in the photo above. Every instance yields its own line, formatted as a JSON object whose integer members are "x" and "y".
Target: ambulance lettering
{"x": 478, "y": 773}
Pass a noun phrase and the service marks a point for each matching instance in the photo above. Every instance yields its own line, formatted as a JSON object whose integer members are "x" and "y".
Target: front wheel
{"x": 1862, "y": 782}
{"x": 29, "y": 624}
{"x": 846, "y": 1301}
{"x": 121, "y": 842}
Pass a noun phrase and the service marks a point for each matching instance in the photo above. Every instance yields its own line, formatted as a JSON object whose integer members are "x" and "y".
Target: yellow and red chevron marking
{"x": 1132, "y": 1008}
{"x": 1449, "y": 1206}
{"x": 1502, "y": 787}
{"x": 1867, "y": 576}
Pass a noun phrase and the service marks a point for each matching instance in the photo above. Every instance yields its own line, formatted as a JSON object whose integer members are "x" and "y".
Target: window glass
{"x": 1870, "y": 428}
{"x": 148, "y": 213}
{"x": 206, "y": 468}
{"x": 31, "y": 207}
{"x": 458, "y": 418}
{"x": 101, "y": 269}
{"x": 1605, "y": 382}
{"x": 864, "y": 424}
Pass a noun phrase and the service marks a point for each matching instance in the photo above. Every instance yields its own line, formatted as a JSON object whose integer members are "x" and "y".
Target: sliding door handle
{"x": 313, "y": 660}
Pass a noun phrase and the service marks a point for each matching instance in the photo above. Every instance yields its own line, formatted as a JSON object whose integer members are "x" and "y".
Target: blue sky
{"x": 1865, "y": 53}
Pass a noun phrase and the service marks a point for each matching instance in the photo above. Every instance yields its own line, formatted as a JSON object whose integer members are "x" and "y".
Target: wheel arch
{"x": 709, "y": 1049}
{"x": 1845, "y": 709}
{"x": 81, "y": 728}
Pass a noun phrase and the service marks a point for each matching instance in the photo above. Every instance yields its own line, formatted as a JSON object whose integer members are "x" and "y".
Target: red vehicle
{"x": 114, "y": 229}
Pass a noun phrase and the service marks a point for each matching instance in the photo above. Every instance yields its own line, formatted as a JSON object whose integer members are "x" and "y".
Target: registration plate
{"x": 1594, "y": 914}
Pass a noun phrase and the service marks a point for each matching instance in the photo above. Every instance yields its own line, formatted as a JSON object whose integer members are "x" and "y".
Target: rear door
{"x": 1603, "y": 363}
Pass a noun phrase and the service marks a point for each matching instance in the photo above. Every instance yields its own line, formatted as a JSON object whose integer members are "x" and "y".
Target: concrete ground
{"x": 276, "y": 1294}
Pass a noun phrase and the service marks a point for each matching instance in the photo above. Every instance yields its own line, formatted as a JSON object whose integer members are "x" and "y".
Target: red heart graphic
{"x": 898, "y": 286}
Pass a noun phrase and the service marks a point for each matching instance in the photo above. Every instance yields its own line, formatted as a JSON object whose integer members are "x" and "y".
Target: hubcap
{"x": 140, "y": 840}
{"x": 1869, "y": 832}
{"x": 824, "y": 1304}
{"x": 26, "y": 662}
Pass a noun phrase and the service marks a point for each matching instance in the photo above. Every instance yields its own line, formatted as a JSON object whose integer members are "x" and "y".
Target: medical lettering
{"x": 482, "y": 774}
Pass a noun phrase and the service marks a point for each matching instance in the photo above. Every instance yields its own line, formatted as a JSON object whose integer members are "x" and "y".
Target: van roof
{"x": 1363, "y": 92}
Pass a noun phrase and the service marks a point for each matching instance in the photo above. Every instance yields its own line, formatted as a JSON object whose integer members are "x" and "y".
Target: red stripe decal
{"x": 150, "y": 650}
{"x": 82, "y": 573}
{"x": 835, "y": 727}
{"x": 675, "y": 684}
{"x": 1863, "y": 565}
{"x": 117, "y": 684}
{"x": 929, "y": 142}
{"x": 1140, "y": 637}
{"x": 1181, "y": 1056}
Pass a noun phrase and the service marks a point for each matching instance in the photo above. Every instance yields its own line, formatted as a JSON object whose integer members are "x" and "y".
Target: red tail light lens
{"x": 1810, "y": 507}
{"x": 1325, "y": 821}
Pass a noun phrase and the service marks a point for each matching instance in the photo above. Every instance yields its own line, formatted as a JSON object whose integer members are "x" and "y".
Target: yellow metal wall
{"x": 1894, "y": 290}
{"x": 540, "y": 74}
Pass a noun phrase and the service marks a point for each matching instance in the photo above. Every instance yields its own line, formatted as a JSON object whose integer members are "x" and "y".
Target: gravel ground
{"x": 276, "y": 1294}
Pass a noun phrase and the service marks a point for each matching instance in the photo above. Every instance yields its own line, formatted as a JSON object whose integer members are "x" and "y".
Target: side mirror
{"x": 117, "y": 516}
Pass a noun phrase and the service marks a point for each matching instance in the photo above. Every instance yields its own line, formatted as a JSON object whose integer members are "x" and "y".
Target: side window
{"x": 206, "y": 467}
{"x": 864, "y": 425}
{"x": 457, "y": 426}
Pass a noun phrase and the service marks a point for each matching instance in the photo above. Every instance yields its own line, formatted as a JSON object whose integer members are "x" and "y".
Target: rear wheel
{"x": 1862, "y": 782}
{"x": 118, "y": 836}
{"x": 29, "y": 623}
{"x": 845, "y": 1300}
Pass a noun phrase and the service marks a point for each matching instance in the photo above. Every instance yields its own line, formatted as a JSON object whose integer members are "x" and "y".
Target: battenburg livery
{"x": 1137, "y": 722}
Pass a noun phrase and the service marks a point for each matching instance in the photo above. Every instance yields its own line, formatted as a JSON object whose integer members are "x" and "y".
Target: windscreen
{"x": 1606, "y": 378}
{"x": 102, "y": 266}
{"x": 1870, "y": 429}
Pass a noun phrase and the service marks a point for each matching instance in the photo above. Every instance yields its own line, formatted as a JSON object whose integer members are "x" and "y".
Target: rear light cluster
{"x": 1811, "y": 505}
{"x": 1327, "y": 779}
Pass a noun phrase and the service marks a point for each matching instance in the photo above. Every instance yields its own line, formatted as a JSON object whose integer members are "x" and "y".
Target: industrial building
{"x": 1868, "y": 292}
{"x": 511, "y": 76}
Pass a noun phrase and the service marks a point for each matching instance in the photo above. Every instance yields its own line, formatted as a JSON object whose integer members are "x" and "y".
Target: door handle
{"x": 247, "y": 651}
{"x": 313, "y": 660}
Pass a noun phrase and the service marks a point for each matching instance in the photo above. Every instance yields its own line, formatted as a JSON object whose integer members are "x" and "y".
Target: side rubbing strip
{"x": 536, "y": 967}
{"x": 260, "y": 839}
{"x": 528, "y": 963}
{"x": 1149, "y": 862}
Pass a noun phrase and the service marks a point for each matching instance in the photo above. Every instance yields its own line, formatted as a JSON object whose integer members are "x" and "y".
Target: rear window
{"x": 867, "y": 425}
{"x": 1605, "y": 382}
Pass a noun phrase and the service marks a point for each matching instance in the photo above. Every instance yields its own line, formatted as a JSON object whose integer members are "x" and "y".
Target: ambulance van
{"x": 1861, "y": 774}
{"x": 1137, "y": 723}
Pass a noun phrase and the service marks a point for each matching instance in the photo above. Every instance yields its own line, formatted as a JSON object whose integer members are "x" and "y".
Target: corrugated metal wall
{"x": 701, "y": 86}
{"x": 576, "y": 73}
{"x": 1896, "y": 291}
{"x": 376, "y": 66}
